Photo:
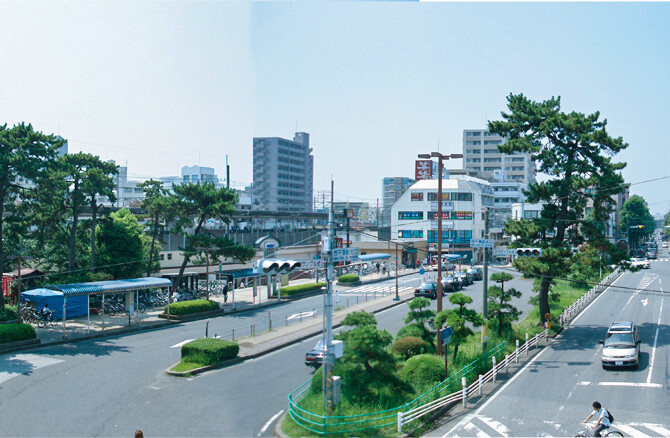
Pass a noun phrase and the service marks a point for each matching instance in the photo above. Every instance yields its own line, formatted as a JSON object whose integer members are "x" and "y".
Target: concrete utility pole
{"x": 329, "y": 354}
{"x": 485, "y": 282}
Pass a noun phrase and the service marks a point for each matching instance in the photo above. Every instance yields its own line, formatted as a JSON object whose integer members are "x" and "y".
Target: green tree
{"x": 499, "y": 306}
{"x": 422, "y": 315}
{"x": 24, "y": 155}
{"x": 576, "y": 152}
{"x": 634, "y": 213}
{"x": 121, "y": 247}
{"x": 357, "y": 319}
{"x": 457, "y": 319}
{"x": 192, "y": 205}
{"x": 98, "y": 181}
{"x": 157, "y": 205}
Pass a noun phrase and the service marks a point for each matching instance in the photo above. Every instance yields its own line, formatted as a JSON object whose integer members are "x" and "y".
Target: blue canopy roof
{"x": 368, "y": 257}
{"x": 452, "y": 256}
{"x": 97, "y": 287}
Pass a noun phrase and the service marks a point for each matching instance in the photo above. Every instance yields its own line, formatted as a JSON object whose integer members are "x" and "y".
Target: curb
{"x": 223, "y": 364}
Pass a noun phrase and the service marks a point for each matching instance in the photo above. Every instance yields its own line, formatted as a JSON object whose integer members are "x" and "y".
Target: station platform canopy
{"x": 452, "y": 256}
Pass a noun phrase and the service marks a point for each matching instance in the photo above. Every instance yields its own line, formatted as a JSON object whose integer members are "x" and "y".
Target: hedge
{"x": 299, "y": 288}
{"x": 8, "y": 313}
{"x": 348, "y": 278}
{"x": 423, "y": 370}
{"x": 209, "y": 351}
{"x": 16, "y": 332}
{"x": 195, "y": 306}
{"x": 409, "y": 346}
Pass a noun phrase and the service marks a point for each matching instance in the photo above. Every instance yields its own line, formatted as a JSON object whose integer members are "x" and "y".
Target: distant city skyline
{"x": 161, "y": 85}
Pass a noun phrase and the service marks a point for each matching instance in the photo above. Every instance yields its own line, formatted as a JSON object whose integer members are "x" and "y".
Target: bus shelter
{"x": 130, "y": 288}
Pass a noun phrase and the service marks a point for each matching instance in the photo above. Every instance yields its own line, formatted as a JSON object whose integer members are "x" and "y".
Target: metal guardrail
{"x": 567, "y": 314}
{"x": 476, "y": 386}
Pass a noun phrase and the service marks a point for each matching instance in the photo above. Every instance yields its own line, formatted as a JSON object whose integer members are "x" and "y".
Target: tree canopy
{"x": 575, "y": 151}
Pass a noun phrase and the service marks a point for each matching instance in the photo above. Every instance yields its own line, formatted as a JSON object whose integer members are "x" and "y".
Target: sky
{"x": 161, "y": 85}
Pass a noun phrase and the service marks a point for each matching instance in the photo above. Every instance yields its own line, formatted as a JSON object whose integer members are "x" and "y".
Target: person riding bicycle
{"x": 603, "y": 421}
{"x": 46, "y": 312}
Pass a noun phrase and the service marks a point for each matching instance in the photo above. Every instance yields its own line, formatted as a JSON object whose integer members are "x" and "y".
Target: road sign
{"x": 481, "y": 243}
{"x": 504, "y": 252}
{"x": 446, "y": 335}
{"x": 306, "y": 265}
{"x": 345, "y": 254}
{"x": 422, "y": 271}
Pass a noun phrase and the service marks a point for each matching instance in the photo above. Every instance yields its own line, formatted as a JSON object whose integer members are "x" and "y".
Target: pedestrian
{"x": 225, "y": 293}
{"x": 139, "y": 434}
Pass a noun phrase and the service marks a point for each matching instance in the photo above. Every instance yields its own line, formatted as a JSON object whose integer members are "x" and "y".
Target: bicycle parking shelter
{"x": 126, "y": 287}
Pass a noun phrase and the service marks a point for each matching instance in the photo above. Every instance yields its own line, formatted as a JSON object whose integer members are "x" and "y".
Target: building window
{"x": 491, "y": 151}
{"x": 417, "y": 196}
{"x": 492, "y": 160}
{"x": 162, "y": 257}
{"x": 490, "y": 169}
{"x": 169, "y": 256}
{"x": 406, "y": 215}
{"x": 473, "y": 134}
{"x": 492, "y": 141}
{"x": 460, "y": 196}
{"x": 410, "y": 234}
{"x": 473, "y": 151}
{"x": 473, "y": 143}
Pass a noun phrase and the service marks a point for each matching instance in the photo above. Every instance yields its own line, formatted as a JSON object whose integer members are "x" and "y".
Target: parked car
{"x": 314, "y": 358}
{"x": 477, "y": 273}
{"x": 621, "y": 347}
{"x": 426, "y": 289}
{"x": 464, "y": 278}
{"x": 450, "y": 284}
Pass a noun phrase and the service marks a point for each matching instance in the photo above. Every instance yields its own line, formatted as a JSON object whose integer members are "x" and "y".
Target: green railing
{"x": 345, "y": 425}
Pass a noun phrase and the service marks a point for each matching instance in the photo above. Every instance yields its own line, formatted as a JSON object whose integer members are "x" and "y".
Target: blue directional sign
{"x": 422, "y": 271}
{"x": 481, "y": 243}
{"x": 446, "y": 335}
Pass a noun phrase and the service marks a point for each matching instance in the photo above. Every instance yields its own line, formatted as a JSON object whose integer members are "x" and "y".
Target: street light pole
{"x": 439, "y": 157}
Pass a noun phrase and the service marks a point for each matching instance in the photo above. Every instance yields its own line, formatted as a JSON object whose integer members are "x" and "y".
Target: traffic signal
{"x": 263, "y": 266}
{"x": 528, "y": 252}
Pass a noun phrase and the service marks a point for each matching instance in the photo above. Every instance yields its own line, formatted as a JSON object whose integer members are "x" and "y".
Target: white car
{"x": 642, "y": 263}
{"x": 621, "y": 347}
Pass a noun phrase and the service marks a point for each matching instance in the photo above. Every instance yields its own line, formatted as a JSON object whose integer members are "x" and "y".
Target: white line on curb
{"x": 274, "y": 417}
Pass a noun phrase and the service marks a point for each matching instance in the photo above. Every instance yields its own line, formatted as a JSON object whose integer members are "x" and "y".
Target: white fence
{"x": 476, "y": 386}
{"x": 578, "y": 305}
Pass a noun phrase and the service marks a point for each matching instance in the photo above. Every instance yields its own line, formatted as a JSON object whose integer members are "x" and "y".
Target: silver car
{"x": 621, "y": 347}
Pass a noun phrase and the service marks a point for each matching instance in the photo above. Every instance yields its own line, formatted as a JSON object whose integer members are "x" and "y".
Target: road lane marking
{"x": 629, "y": 384}
{"x": 182, "y": 343}
{"x": 24, "y": 364}
{"x": 662, "y": 431}
{"x": 265, "y": 427}
{"x": 574, "y": 320}
{"x": 653, "y": 350}
{"x": 477, "y": 431}
{"x": 495, "y": 425}
{"x": 301, "y": 315}
{"x": 631, "y": 431}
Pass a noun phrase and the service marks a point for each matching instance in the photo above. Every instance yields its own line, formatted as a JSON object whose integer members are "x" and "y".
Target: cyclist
{"x": 603, "y": 421}
{"x": 46, "y": 312}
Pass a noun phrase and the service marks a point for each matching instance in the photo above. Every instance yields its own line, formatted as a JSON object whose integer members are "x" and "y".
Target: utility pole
{"x": 485, "y": 282}
{"x": 329, "y": 356}
{"x": 19, "y": 257}
{"x": 227, "y": 173}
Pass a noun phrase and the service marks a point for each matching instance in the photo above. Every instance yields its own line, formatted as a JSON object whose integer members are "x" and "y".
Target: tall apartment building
{"x": 480, "y": 152}
{"x": 283, "y": 173}
{"x": 392, "y": 189}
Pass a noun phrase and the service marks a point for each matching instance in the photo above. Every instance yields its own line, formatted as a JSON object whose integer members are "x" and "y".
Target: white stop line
{"x": 301, "y": 315}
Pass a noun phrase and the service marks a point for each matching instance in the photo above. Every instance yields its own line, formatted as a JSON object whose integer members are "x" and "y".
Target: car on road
{"x": 651, "y": 255}
{"x": 642, "y": 263}
{"x": 450, "y": 284}
{"x": 426, "y": 289}
{"x": 664, "y": 245}
{"x": 314, "y": 358}
{"x": 477, "y": 273}
{"x": 621, "y": 347}
{"x": 466, "y": 277}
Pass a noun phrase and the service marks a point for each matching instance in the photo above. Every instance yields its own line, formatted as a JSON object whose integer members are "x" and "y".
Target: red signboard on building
{"x": 423, "y": 169}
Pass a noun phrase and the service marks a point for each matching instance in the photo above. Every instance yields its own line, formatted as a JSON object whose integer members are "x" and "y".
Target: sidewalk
{"x": 81, "y": 328}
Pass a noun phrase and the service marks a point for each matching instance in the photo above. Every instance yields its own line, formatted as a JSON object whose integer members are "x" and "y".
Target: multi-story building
{"x": 197, "y": 174}
{"x": 392, "y": 189}
{"x": 128, "y": 194}
{"x": 414, "y": 217}
{"x": 480, "y": 152}
{"x": 283, "y": 173}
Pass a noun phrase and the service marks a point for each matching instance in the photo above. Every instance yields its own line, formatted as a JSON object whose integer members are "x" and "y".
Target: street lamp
{"x": 439, "y": 157}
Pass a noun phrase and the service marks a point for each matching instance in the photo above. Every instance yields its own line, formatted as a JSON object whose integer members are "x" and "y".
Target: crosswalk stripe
{"x": 662, "y": 431}
{"x": 477, "y": 431}
{"x": 182, "y": 343}
{"x": 496, "y": 425}
{"x": 23, "y": 363}
{"x": 631, "y": 431}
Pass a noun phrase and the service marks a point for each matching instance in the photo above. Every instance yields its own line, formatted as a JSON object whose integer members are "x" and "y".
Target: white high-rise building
{"x": 480, "y": 152}
{"x": 283, "y": 174}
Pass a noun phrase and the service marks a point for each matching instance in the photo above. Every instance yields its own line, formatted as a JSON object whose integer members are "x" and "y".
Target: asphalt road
{"x": 113, "y": 386}
{"x": 552, "y": 395}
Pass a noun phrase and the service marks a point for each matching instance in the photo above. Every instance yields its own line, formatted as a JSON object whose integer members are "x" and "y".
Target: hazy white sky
{"x": 160, "y": 85}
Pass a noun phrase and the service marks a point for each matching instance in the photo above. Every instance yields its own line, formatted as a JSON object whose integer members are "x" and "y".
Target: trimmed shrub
{"x": 16, "y": 332}
{"x": 348, "y": 278}
{"x": 298, "y": 289}
{"x": 408, "y": 346}
{"x": 209, "y": 351}
{"x": 9, "y": 313}
{"x": 423, "y": 370}
{"x": 188, "y": 307}
{"x": 410, "y": 330}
